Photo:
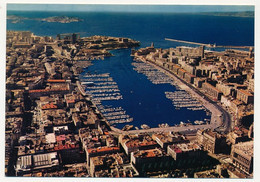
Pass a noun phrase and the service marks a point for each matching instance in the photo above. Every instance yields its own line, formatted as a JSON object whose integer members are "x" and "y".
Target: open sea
{"x": 142, "y": 100}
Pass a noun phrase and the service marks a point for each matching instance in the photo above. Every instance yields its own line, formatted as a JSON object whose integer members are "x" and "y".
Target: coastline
{"x": 54, "y": 106}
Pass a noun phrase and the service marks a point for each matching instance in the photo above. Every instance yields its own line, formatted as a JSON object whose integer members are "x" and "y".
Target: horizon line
{"x": 130, "y": 8}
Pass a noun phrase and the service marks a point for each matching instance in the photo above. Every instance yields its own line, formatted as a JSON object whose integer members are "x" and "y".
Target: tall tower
{"x": 202, "y": 51}
{"x": 152, "y": 45}
{"x": 171, "y": 53}
{"x": 251, "y": 52}
{"x": 74, "y": 38}
{"x": 58, "y": 37}
{"x": 160, "y": 53}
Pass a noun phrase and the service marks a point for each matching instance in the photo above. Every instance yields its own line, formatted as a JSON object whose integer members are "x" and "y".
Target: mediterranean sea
{"x": 142, "y": 100}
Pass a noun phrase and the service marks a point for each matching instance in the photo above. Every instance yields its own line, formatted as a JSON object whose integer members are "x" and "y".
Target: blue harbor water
{"x": 145, "y": 27}
{"x": 144, "y": 101}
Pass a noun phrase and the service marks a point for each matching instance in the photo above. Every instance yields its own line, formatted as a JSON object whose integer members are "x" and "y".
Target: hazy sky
{"x": 127, "y": 8}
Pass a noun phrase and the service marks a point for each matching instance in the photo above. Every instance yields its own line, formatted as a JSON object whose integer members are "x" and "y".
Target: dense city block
{"x": 54, "y": 128}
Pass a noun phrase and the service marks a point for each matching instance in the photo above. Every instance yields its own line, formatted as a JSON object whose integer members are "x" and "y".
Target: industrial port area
{"x": 57, "y": 126}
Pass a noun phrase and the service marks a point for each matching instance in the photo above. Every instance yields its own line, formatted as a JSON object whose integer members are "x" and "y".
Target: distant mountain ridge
{"x": 235, "y": 14}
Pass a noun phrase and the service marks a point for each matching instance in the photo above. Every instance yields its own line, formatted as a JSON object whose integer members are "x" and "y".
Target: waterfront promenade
{"x": 189, "y": 128}
{"x": 219, "y": 117}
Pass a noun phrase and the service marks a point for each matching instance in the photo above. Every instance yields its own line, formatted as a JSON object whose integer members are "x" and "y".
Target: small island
{"x": 61, "y": 19}
{"x": 57, "y": 19}
{"x": 16, "y": 19}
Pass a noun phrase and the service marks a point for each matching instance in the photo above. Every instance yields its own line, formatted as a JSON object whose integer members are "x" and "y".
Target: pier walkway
{"x": 211, "y": 45}
{"x": 190, "y": 128}
{"x": 189, "y": 42}
{"x": 82, "y": 91}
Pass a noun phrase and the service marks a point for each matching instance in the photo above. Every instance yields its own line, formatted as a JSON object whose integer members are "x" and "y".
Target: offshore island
{"x": 54, "y": 127}
{"x": 59, "y": 19}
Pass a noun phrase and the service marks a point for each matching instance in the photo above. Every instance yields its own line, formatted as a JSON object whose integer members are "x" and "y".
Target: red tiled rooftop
{"x": 236, "y": 102}
{"x": 49, "y": 106}
{"x": 56, "y": 81}
{"x": 148, "y": 143}
{"x": 103, "y": 149}
{"x": 150, "y": 154}
{"x": 182, "y": 70}
{"x": 47, "y": 90}
{"x": 71, "y": 101}
{"x": 60, "y": 137}
{"x": 137, "y": 143}
{"x": 66, "y": 146}
{"x": 177, "y": 150}
{"x": 245, "y": 92}
{"x": 236, "y": 128}
{"x": 95, "y": 139}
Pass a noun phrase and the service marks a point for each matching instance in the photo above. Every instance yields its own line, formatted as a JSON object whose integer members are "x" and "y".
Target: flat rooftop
{"x": 245, "y": 148}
